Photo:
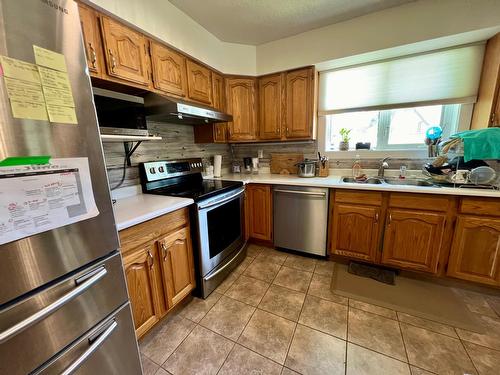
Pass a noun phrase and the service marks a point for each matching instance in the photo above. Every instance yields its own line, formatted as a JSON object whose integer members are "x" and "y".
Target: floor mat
{"x": 415, "y": 297}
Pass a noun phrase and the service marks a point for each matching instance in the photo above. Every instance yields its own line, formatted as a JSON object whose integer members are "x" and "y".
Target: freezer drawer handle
{"x": 92, "y": 348}
{"x": 301, "y": 192}
{"x": 98, "y": 274}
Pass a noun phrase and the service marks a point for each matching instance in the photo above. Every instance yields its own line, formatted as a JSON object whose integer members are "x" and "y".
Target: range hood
{"x": 167, "y": 109}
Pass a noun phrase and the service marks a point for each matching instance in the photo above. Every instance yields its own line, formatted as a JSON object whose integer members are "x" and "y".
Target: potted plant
{"x": 344, "y": 144}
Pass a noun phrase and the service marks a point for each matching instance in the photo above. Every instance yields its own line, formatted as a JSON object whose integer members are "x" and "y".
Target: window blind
{"x": 445, "y": 76}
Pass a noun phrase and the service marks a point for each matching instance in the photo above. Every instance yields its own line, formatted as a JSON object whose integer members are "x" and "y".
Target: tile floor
{"x": 275, "y": 314}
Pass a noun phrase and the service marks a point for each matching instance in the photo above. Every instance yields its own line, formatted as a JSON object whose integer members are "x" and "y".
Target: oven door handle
{"x": 228, "y": 198}
{"x": 225, "y": 265}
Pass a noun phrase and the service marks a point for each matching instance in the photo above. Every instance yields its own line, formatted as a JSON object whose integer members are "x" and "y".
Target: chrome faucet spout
{"x": 383, "y": 166}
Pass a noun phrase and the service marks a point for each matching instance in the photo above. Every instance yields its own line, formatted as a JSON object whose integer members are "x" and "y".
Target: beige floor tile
{"x": 273, "y": 256}
{"x": 489, "y": 336}
{"x": 379, "y": 310}
{"x": 287, "y": 371}
{"x": 243, "y": 265}
{"x": 300, "y": 263}
{"x": 476, "y": 302}
{"x": 325, "y": 316}
{"x": 321, "y": 287}
{"x": 161, "y": 371}
{"x": 418, "y": 371}
{"x": 494, "y": 303}
{"x": 376, "y": 332}
{"x": 314, "y": 352}
{"x": 198, "y": 307}
{"x": 324, "y": 267}
{"x": 162, "y": 340}
{"x": 283, "y": 302}
{"x": 148, "y": 366}
{"x": 268, "y": 334}
{"x": 228, "y": 317}
{"x": 435, "y": 352}
{"x": 262, "y": 270}
{"x": 203, "y": 352}
{"x": 245, "y": 362}
{"x": 487, "y": 361}
{"x": 427, "y": 324}
{"x": 293, "y": 279}
{"x": 248, "y": 290}
{"x": 361, "y": 361}
{"x": 254, "y": 250}
{"x": 226, "y": 284}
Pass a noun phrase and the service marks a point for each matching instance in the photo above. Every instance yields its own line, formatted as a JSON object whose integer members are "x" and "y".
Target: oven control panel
{"x": 159, "y": 170}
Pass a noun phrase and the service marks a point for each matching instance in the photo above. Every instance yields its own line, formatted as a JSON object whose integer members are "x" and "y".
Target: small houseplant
{"x": 344, "y": 144}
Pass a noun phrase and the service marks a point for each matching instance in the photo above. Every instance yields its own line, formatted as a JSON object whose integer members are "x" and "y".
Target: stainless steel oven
{"x": 221, "y": 240}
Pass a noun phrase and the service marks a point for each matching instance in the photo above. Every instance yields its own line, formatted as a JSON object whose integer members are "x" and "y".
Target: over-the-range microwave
{"x": 120, "y": 114}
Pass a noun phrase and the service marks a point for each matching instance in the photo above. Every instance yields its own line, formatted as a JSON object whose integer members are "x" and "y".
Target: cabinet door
{"x": 299, "y": 103}
{"x": 169, "y": 70}
{"x": 199, "y": 83}
{"x": 140, "y": 267}
{"x": 260, "y": 212}
{"x": 475, "y": 252}
{"x": 220, "y": 133}
{"x": 355, "y": 231}
{"x": 125, "y": 52}
{"x": 218, "y": 92}
{"x": 177, "y": 265}
{"x": 240, "y": 94}
{"x": 413, "y": 239}
{"x": 91, "y": 39}
{"x": 270, "y": 105}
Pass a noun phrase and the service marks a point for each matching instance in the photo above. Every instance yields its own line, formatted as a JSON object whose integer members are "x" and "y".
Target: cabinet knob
{"x": 93, "y": 56}
{"x": 390, "y": 218}
{"x": 151, "y": 259}
{"x": 113, "y": 60}
{"x": 376, "y": 217}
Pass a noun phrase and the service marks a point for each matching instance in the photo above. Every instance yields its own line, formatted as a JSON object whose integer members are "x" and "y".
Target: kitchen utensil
{"x": 482, "y": 175}
{"x": 247, "y": 165}
{"x": 306, "y": 168}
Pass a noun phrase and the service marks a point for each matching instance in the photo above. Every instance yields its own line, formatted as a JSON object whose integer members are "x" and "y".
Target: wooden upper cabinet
{"x": 125, "y": 52}
{"x": 169, "y": 70}
{"x": 140, "y": 267}
{"x": 299, "y": 104}
{"x": 487, "y": 108}
{"x": 218, "y": 92}
{"x": 91, "y": 38}
{"x": 413, "y": 239}
{"x": 260, "y": 211}
{"x": 199, "y": 83}
{"x": 475, "y": 252}
{"x": 177, "y": 265}
{"x": 241, "y": 103}
{"x": 270, "y": 106}
{"x": 355, "y": 231}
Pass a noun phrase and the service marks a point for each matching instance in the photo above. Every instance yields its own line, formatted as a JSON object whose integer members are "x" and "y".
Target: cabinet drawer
{"x": 355, "y": 196}
{"x": 150, "y": 230}
{"x": 420, "y": 201}
{"x": 480, "y": 206}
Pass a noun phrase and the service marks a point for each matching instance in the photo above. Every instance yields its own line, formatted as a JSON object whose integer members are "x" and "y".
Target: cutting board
{"x": 285, "y": 163}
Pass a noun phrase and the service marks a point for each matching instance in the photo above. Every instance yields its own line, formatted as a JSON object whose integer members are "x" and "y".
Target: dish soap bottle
{"x": 356, "y": 167}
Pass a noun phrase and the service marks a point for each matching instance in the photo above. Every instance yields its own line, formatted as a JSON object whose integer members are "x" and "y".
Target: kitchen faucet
{"x": 383, "y": 166}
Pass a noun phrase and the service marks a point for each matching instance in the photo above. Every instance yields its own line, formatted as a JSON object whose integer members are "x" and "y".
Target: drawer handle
{"x": 93, "y": 56}
{"x": 376, "y": 217}
{"x": 164, "y": 250}
{"x": 92, "y": 348}
{"x": 390, "y": 218}
{"x": 151, "y": 258}
{"x": 113, "y": 60}
{"x": 54, "y": 306}
{"x": 312, "y": 193}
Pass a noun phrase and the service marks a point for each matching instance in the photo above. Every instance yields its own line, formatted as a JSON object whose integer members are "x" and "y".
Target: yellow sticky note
{"x": 50, "y": 59}
{"x": 27, "y": 110}
{"x": 24, "y": 90}
{"x": 53, "y": 78}
{"x": 55, "y": 96}
{"x": 14, "y": 68}
{"x": 66, "y": 115}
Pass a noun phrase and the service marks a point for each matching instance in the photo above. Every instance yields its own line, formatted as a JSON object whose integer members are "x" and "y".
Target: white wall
{"x": 161, "y": 19}
{"x": 406, "y": 24}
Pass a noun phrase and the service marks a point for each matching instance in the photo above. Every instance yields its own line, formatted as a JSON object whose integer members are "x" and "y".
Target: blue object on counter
{"x": 434, "y": 132}
{"x": 480, "y": 144}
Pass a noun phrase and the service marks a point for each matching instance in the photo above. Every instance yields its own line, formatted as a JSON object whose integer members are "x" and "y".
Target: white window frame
{"x": 465, "y": 117}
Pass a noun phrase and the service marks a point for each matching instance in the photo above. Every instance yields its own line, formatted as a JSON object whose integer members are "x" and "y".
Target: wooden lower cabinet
{"x": 260, "y": 212}
{"x": 355, "y": 231}
{"x": 177, "y": 265}
{"x": 413, "y": 239}
{"x": 141, "y": 269}
{"x": 475, "y": 252}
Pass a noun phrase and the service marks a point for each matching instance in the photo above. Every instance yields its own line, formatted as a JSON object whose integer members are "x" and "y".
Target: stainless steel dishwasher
{"x": 301, "y": 218}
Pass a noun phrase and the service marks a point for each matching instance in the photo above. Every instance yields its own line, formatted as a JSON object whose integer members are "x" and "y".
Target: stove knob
{"x": 152, "y": 170}
{"x": 161, "y": 169}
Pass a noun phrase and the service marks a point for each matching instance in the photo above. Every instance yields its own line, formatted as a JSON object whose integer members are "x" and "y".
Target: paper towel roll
{"x": 217, "y": 165}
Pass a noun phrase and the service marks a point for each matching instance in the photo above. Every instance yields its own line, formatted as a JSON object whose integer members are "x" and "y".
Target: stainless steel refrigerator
{"x": 63, "y": 301}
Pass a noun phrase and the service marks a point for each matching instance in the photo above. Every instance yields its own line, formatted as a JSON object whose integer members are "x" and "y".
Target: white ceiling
{"x": 259, "y": 21}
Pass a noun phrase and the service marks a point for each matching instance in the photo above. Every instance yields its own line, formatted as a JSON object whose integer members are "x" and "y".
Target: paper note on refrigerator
{"x": 38, "y": 198}
{"x": 28, "y": 110}
{"x": 50, "y": 59}
{"x": 65, "y": 115}
{"x": 18, "y": 69}
{"x": 24, "y": 90}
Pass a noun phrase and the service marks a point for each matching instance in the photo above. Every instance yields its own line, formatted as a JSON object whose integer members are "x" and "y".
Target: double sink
{"x": 390, "y": 181}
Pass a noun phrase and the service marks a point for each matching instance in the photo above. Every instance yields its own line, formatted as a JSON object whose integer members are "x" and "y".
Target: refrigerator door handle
{"x": 98, "y": 274}
{"x": 92, "y": 348}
